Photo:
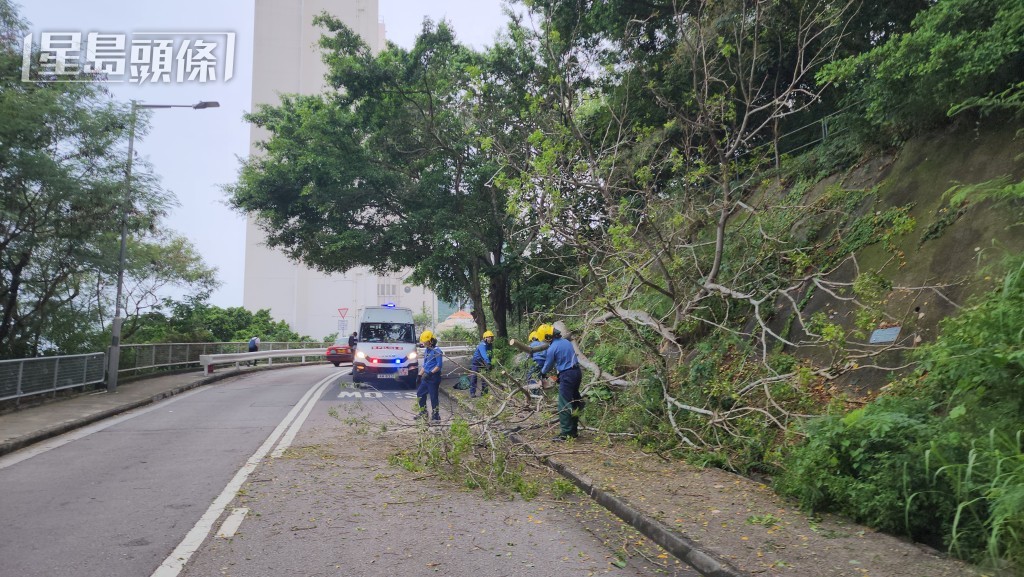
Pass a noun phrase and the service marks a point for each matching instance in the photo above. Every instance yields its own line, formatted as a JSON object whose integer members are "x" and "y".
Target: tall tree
{"x": 389, "y": 171}
{"x": 61, "y": 179}
{"x": 650, "y": 151}
{"x": 958, "y": 55}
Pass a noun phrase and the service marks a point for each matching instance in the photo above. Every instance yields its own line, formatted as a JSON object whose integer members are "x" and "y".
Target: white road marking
{"x": 297, "y": 424}
{"x": 176, "y": 561}
{"x": 230, "y": 525}
{"x": 61, "y": 440}
{"x": 343, "y": 394}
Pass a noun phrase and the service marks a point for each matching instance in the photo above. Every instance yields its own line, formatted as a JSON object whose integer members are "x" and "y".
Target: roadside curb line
{"x": 68, "y": 426}
{"x": 706, "y": 563}
{"x": 686, "y": 550}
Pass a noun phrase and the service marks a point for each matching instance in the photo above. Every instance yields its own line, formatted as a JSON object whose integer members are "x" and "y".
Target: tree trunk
{"x": 499, "y": 293}
{"x": 8, "y": 322}
{"x": 478, "y": 311}
{"x": 476, "y": 296}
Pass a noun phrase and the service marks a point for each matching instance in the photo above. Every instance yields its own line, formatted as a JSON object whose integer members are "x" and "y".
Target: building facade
{"x": 286, "y": 60}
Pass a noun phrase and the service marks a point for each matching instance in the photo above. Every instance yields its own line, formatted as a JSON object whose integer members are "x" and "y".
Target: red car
{"x": 339, "y": 352}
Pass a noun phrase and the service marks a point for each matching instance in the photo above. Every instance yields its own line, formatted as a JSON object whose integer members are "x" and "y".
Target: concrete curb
{"x": 50, "y": 432}
{"x": 707, "y": 563}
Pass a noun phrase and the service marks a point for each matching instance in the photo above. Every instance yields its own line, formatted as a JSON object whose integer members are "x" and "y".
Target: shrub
{"x": 940, "y": 458}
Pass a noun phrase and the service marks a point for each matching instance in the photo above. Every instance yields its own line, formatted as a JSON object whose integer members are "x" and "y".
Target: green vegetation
{"x": 721, "y": 203}
{"x": 197, "y": 321}
{"x": 766, "y": 520}
{"x": 452, "y": 453}
{"x": 561, "y": 488}
{"x": 960, "y": 55}
{"x": 940, "y": 457}
{"x": 62, "y": 154}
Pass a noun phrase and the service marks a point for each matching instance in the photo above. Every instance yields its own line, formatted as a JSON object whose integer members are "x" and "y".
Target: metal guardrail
{"x": 25, "y": 377}
{"x": 163, "y": 355}
{"x": 209, "y": 361}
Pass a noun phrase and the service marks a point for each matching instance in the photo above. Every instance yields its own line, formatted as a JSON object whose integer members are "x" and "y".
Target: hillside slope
{"x": 937, "y": 257}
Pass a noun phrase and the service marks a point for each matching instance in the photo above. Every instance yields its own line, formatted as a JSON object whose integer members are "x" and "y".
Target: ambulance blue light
{"x": 388, "y": 305}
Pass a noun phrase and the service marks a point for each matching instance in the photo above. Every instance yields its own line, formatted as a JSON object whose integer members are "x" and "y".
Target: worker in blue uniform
{"x": 430, "y": 377}
{"x": 481, "y": 360}
{"x": 563, "y": 367}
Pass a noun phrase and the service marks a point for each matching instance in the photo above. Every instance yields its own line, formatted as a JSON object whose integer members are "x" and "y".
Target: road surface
{"x": 282, "y": 472}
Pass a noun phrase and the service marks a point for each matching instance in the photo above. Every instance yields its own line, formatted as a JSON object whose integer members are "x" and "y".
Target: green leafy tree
{"x": 959, "y": 54}
{"x": 649, "y": 134}
{"x": 164, "y": 262}
{"x": 61, "y": 179}
{"x": 195, "y": 320}
{"x": 389, "y": 171}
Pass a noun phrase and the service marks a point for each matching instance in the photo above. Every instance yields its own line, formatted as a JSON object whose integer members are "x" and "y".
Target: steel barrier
{"x": 162, "y": 355}
{"x": 25, "y": 377}
{"x": 209, "y": 361}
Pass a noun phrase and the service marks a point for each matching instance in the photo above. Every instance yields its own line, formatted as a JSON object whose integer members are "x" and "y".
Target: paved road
{"x": 144, "y": 494}
{"x": 333, "y": 505}
{"x": 119, "y": 496}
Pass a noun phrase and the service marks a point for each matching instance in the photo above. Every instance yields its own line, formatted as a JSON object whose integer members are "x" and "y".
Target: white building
{"x": 286, "y": 59}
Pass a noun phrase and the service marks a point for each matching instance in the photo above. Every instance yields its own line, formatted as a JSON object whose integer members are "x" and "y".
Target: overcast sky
{"x": 195, "y": 152}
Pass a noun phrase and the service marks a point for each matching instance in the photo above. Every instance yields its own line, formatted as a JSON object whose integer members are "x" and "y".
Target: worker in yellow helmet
{"x": 561, "y": 360}
{"x": 538, "y": 357}
{"x": 481, "y": 360}
{"x": 430, "y": 377}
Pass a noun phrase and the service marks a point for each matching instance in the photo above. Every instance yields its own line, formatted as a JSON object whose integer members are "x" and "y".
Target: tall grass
{"x": 940, "y": 459}
{"x": 988, "y": 488}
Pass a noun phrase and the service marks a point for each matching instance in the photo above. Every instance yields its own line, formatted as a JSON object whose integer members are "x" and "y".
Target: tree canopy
{"x": 392, "y": 169}
{"x": 61, "y": 180}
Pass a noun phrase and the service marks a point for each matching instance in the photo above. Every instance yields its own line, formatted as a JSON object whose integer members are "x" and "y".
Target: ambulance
{"x": 386, "y": 346}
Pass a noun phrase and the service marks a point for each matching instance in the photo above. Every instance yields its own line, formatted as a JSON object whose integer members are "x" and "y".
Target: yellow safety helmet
{"x": 488, "y": 334}
{"x": 426, "y": 336}
{"x": 533, "y": 337}
{"x": 545, "y": 331}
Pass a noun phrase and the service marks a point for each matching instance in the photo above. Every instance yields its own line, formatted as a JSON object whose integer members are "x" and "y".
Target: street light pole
{"x": 114, "y": 355}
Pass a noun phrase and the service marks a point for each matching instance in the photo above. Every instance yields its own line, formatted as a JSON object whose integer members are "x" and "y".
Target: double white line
{"x": 288, "y": 427}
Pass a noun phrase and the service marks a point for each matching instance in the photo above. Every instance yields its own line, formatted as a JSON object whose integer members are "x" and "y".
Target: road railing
{"x": 208, "y": 362}
{"x": 170, "y": 355}
{"x": 25, "y": 377}
{"x": 455, "y": 348}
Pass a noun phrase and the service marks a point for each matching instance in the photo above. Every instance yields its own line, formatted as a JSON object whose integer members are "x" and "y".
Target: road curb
{"x": 707, "y": 563}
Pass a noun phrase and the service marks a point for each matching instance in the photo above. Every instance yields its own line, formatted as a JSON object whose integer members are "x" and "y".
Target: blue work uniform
{"x": 561, "y": 357}
{"x": 430, "y": 384}
{"x": 254, "y": 346}
{"x": 481, "y": 360}
{"x": 538, "y": 360}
